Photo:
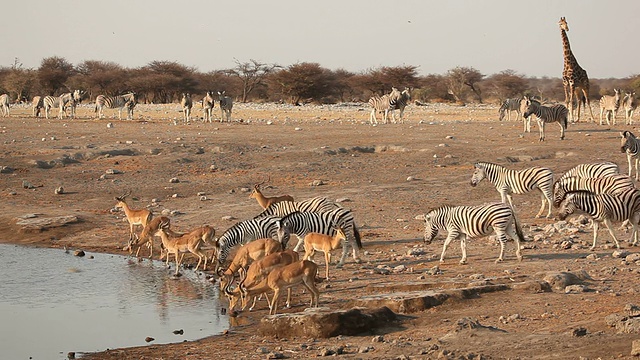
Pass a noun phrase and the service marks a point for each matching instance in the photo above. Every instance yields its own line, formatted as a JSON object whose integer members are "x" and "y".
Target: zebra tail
{"x": 356, "y": 233}
{"x": 518, "y": 228}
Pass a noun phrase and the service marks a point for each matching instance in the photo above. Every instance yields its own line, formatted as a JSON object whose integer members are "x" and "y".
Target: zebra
{"x": 128, "y": 100}
{"x": 186, "y": 103}
{"x": 473, "y": 221}
{"x": 508, "y": 106}
{"x": 284, "y": 208}
{"x": 37, "y": 105}
{"x": 399, "y": 104}
{"x": 302, "y": 223}
{"x": 207, "y": 104}
{"x": 509, "y": 181}
{"x": 60, "y": 102}
{"x": 610, "y": 104}
{"x": 605, "y": 208}
{"x": 243, "y": 232}
{"x": 226, "y": 105}
{"x": 384, "y": 103}
{"x": 601, "y": 185}
{"x": 523, "y": 108}
{"x": 4, "y": 105}
{"x": 629, "y": 103}
{"x": 631, "y": 145}
{"x": 592, "y": 170}
{"x": 545, "y": 114}
{"x": 72, "y": 99}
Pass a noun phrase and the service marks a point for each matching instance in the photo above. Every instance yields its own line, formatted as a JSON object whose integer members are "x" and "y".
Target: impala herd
{"x": 261, "y": 266}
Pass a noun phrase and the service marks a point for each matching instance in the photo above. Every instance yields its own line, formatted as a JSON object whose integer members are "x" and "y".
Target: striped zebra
{"x": 244, "y": 232}
{"x": 400, "y": 104}
{"x": 523, "y": 109}
{"x": 629, "y": 103}
{"x": 4, "y": 105}
{"x": 509, "y": 181}
{"x": 284, "y": 208}
{"x": 601, "y": 185}
{"x": 473, "y": 221}
{"x": 37, "y": 104}
{"x": 592, "y": 170}
{"x": 556, "y": 113}
{"x": 128, "y": 100}
{"x": 385, "y": 104}
{"x": 631, "y": 145}
{"x": 207, "y": 105}
{"x": 186, "y": 103}
{"x": 604, "y": 208}
{"x": 302, "y": 223}
{"x": 610, "y": 105}
{"x": 508, "y": 106}
{"x": 226, "y": 105}
{"x": 59, "y": 102}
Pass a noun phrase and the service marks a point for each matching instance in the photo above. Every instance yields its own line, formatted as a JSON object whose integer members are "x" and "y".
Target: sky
{"x": 355, "y": 35}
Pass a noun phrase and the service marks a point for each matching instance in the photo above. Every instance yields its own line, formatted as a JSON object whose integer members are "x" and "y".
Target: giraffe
{"x": 574, "y": 78}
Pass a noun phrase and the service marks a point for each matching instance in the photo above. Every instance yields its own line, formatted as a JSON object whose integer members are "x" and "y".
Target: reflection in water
{"x": 56, "y": 303}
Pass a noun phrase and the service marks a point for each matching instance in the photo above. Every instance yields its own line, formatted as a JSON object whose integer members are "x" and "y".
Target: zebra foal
{"x": 604, "y": 208}
{"x": 629, "y": 103}
{"x": 630, "y": 145}
{"x": 509, "y": 181}
{"x": 207, "y": 105}
{"x": 601, "y": 185}
{"x": 128, "y": 100}
{"x": 610, "y": 105}
{"x": 461, "y": 222}
{"x": 556, "y": 113}
{"x": 508, "y": 106}
{"x": 400, "y": 103}
{"x": 186, "y": 103}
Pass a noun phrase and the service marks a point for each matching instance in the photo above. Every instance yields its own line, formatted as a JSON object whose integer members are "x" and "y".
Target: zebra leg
{"x": 607, "y": 222}
{"x": 452, "y": 235}
{"x": 545, "y": 199}
{"x": 637, "y": 179}
{"x": 502, "y": 237}
{"x": 372, "y": 117}
{"x": 541, "y": 129}
{"x": 629, "y": 162}
{"x": 596, "y": 224}
{"x": 463, "y": 248}
{"x": 299, "y": 244}
{"x": 561, "y": 130}
{"x": 635, "y": 218}
{"x": 345, "y": 251}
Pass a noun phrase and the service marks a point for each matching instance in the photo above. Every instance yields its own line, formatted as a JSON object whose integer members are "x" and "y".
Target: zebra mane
{"x": 441, "y": 207}
{"x": 485, "y": 164}
{"x": 626, "y": 134}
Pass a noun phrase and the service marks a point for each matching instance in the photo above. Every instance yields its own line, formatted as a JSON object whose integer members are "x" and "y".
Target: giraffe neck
{"x": 569, "y": 59}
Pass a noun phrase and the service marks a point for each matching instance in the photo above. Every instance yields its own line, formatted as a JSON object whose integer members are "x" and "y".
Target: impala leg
{"x": 327, "y": 261}
{"x": 273, "y": 308}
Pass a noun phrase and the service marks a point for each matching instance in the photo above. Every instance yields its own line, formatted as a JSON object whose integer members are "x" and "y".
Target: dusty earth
{"x": 388, "y": 173}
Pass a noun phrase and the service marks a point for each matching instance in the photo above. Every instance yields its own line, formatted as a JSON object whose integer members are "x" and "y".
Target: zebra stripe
{"x": 592, "y": 170}
{"x": 631, "y": 145}
{"x": 129, "y": 100}
{"x": 602, "y": 185}
{"x": 400, "y": 103}
{"x": 207, "y": 104}
{"x": 59, "y": 102}
{"x": 186, "y": 104}
{"x": 605, "y": 208}
{"x": 508, "y": 106}
{"x": 473, "y": 221}
{"x": 244, "y": 232}
{"x": 629, "y": 103}
{"x": 284, "y": 208}
{"x": 4, "y": 105}
{"x": 526, "y": 120}
{"x": 302, "y": 223}
{"x": 556, "y": 113}
{"x": 509, "y": 181}
{"x": 226, "y": 105}
{"x": 610, "y": 105}
{"x": 384, "y": 103}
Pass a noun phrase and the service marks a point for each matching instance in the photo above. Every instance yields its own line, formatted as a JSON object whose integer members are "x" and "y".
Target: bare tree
{"x": 251, "y": 74}
{"x": 461, "y": 78}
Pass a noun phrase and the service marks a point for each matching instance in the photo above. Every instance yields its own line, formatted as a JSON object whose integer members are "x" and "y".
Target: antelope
{"x": 300, "y": 272}
{"x": 264, "y": 201}
{"x": 247, "y": 254}
{"x": 257, "y": 271}
{"x": 148, "y": 233}
{"x": 190, "y": 242}
{"x": 134, "y": 217}
{"x": 320, "y": 242}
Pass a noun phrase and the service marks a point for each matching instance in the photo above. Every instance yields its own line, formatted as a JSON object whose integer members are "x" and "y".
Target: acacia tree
{"x": 101, "y": 77}
{"x": 53, "y": 74}
{"x": 18, "y": 82}
{"x": 461, "y": 78}
{"x": 507, "y": 84}
{"x": 251, "y": 74}
{"x": 303, "y": 81}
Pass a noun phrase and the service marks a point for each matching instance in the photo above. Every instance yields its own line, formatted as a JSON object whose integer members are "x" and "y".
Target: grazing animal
{"x": 208, "y": 104}
{"x": 37, "y": 104}
{"x": 630, "y": 103}
{"x": 631, "y": 146}
{"x": 264, "y": 201}
{"x": 320, "y": 242}
{"x": 544, "y": 114}
{"x": 244, "y": 232}
{"x": 148, "y": 233}
{"x": 191, "y": 242}
{"x": 246, "y": 255}
{"x": 473, "y": 221}
{"x": 134, "y": 217}
{"x": 400, "y": 103}
{"x": 508, "y": 106}
{"x": 610, "y": 105}
{"x": 128, "y": 100}
{"x": 4, "y": 105}
{"x": 186, "y": 103}
{"x": 611, "y": 184}
{"x": 604, "y": 208}
{"x": 302, "y": 223}
{"x": 523, "y": 109}
{"x": 509, "y": 181}
{"x": 226, "y": 105}
{"x": 574, "y": 77}
{"x": 592, "y": 170}
{"x": 284, "y": 208}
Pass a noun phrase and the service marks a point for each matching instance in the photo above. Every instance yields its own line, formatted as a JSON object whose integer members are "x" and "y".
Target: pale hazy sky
{"x": 355, "y": 35}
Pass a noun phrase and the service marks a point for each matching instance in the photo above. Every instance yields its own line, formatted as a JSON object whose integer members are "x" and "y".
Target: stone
{"x": 40, "y": 224}
{"x": 635, "y": 348}
{"x": 174, "y": 180}
{"x": 78, "y": 253}
{"x": 579, "y": 332}
{"x": 59, "y": 190}
{"x": 149, "y": 339}
{"x": 574, "y": 289}
{"x": 113, "y": 171}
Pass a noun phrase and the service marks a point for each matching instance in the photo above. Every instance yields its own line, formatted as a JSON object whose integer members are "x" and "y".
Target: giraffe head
{"x": 563, "y": 24}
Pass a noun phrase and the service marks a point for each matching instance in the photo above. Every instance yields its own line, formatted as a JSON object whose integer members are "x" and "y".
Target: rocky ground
{"x": 561, "y": 301}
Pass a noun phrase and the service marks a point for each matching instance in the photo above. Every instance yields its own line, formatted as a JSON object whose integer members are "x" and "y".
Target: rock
{"x": 109, "y": 125}
{"x": 174, "y": 180}
{"x": 6, "y": 170}
{"x": 574, "y": 289}
{"x": 317, "y": 183}
{"x": 579, "y": 332}
{"x": 635, "y": 348}
{"x": 632, "y": 257}
{"x": 59, "y": 190}
{"x": 632, "y": 310}
{"x": 113, "y": 172}
{"x": 178, "y": 332}
{"x": 620, "y": 254}
{"x": 228, "y": 218}
{"x": 399, "y": 268}
{"x": 149, "y": 339}
{"x": 560, "y": 280}
{"x": 78, "y": 253}
{"x": 341, "y": 200}
{"x": 203, "y": 198}
{"x": 377, "y": 339}
{"x": 27, "y": 185}
{"x": 40, "y": 224}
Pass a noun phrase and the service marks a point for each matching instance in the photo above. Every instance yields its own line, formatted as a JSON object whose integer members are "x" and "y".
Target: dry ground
{"x": 390, "y": 174}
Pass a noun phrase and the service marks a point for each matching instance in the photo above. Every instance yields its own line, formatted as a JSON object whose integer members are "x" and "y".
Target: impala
{"x": 320, "y": 242}
{"x": 264, "y": 201}
{"x": 247, "y": 254}
{"x": 190, "y": 242}
{"x": 148, "y": 233}
{"x": 134, "y": 217}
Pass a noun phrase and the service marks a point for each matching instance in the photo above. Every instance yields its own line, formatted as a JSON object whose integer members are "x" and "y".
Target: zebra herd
{"x": 386, "y": 103}
{"x": 208, "y": 103}
{"x": 596, "y": 189}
